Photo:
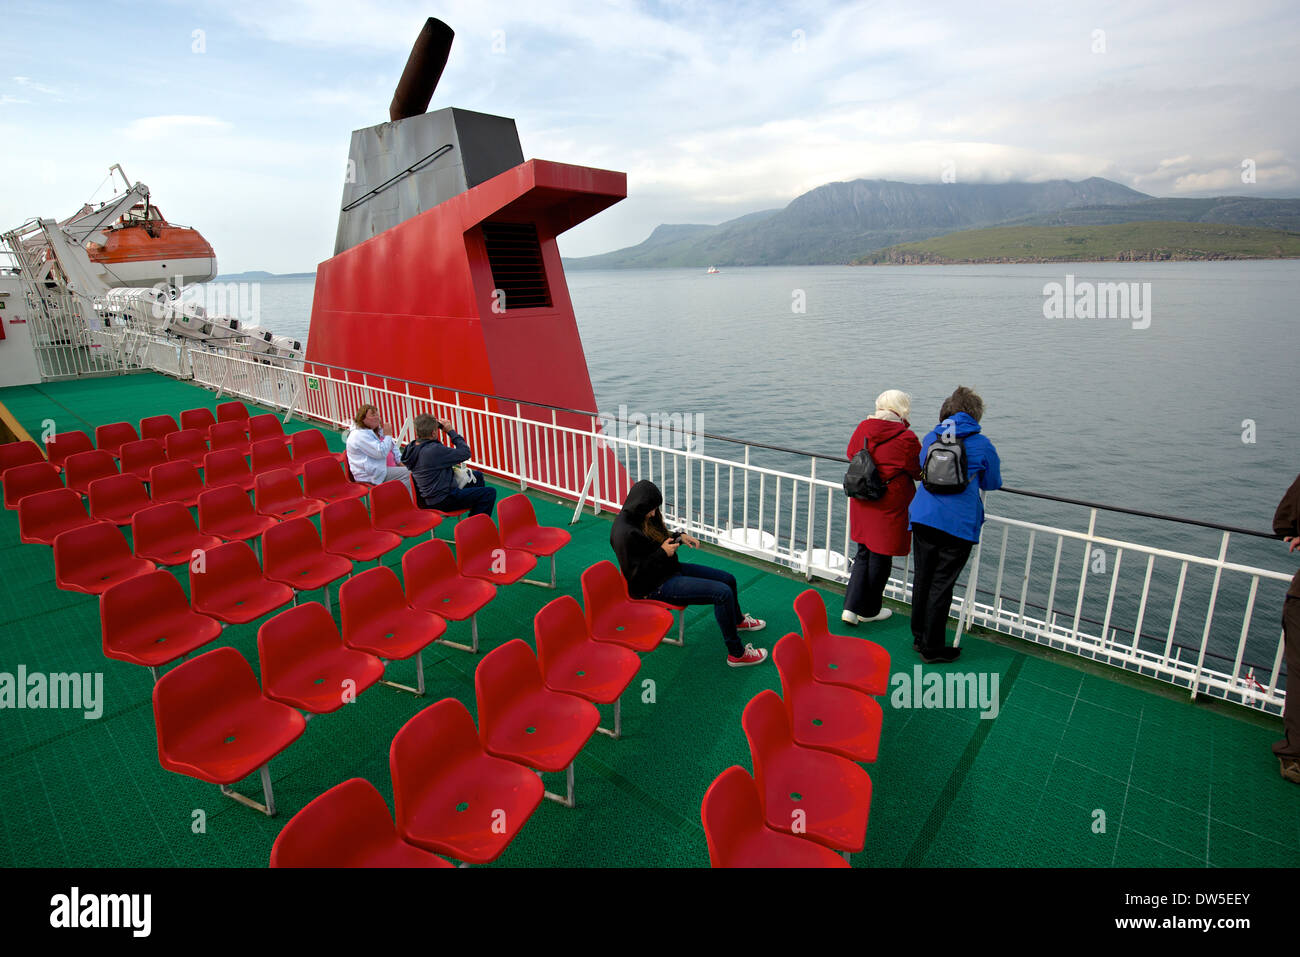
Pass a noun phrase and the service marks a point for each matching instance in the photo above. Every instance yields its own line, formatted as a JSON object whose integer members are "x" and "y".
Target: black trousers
{"x": 1289, "y": 747}
{"x": 867, "y": 580}
{"x": 938, "y": 559}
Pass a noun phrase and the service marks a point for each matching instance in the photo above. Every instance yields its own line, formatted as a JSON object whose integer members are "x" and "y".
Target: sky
{"x": 237, "y": 115}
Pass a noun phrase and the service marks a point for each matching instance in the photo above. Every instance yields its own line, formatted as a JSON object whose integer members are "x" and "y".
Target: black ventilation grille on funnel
{"x": 515, "y": 254}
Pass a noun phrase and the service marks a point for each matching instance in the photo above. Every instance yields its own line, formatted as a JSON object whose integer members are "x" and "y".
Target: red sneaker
{"x": 750, "y": 623}
{"x": 752, "y": 656}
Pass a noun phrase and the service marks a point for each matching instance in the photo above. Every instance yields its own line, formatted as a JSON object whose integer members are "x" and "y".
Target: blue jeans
{"x": 702, "y": 585}
{"x": 478, "y": 498}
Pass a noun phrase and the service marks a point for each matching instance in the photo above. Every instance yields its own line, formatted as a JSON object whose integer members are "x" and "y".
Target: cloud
{"x": 168, "y": 127}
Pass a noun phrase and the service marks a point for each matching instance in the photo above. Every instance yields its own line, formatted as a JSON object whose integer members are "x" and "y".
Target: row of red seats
{"x": 808, "y": 798}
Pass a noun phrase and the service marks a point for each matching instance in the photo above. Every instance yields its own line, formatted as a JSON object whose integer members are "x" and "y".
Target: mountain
{"x": 258, "y": 275}
{"x": 839, "y": 222}
{"x": 1281, "y": 214}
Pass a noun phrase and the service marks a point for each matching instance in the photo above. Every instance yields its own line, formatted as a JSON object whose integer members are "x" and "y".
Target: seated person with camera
{"x": 442, "y": 482}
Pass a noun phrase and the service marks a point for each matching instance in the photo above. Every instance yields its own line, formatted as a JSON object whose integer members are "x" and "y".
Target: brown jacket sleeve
{"x": 1286, "y": 523}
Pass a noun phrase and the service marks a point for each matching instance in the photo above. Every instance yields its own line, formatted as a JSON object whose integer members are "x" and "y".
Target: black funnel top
{"x": 423, "y": 70}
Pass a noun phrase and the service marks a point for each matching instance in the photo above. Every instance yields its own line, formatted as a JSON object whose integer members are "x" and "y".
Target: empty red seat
{"x": 292, "y": 555}
{"x": 613, "y": 616}
{"x": 63, "y": 444}
{"x": 449, "y": 795}
{"x": 377, "y": 619}
{"x": 166, "y": 534}
{"x": 176, "y": 482}
{"x": 158, "y": 427}
{"x": 480, "y": 554}
{"x": 347, "y": 826}
{"x": 24, "y": 480}
{"x": 818, "y": 795}
{"x": 230, "y": 586}
{"x": 201, "y": 420}
{"x": 214, "y": 724}
{"x": 94, "y": 558}
{"x": 278, "y": 494}
{"x": 85, "y": 467}
{"x": 434, "y": 584}
{"x": 187, "y": 445}
{"x": 139, "y": 458}
{"x": 228, "y": 513}
{"x": 522, "y": 720}
{"x": 737, "y": 837}
{"x": 823, "y": 716}
{"x": 839, "y": 659}
{"x": 111, "y": 437}
{"x": 305, "y": 665}
{"x": 269, "y": 455}
{"x": 324, "y": 479}
{"x": 231, "y": 436}
{"x": 147, "y": 620}
{"x": 263, "y": 427}
{"x": 309, "y": 445}
{"x": 44, "y": 515}
{"x": 13, "y": 454}
{"x": 519, "y": 529}
{"x": 232, "y": 412}
{"x": 117, "y": 498}
{"x": 392, "y": 510}
{"x": 346, "y": 531}
{"x": 226, "y": 467}
{"x": 574, "y": 664}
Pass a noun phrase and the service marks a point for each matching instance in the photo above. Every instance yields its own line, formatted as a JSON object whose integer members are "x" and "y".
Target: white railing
{"x": 1210, "y": 639}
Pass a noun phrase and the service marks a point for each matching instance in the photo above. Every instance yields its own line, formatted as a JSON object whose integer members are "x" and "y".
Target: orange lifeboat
{"x": 142, "y": 249}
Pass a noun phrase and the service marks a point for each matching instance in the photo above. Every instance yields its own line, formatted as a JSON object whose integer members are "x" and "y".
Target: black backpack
{"x": 863, "y": 480}
{"x": 944, "y": 471}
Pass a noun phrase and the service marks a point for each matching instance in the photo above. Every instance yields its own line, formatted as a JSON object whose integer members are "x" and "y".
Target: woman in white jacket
{"x": 369, "y": 448}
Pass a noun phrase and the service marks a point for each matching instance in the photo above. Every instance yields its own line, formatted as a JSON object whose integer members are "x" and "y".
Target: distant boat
{"x": 713, "y": 269}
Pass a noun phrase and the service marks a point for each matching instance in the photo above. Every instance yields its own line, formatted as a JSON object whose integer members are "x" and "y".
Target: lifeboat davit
{"x": 143, "y": 249}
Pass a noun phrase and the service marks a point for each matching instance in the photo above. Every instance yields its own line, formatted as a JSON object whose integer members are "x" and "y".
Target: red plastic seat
{"x": 613, "y": 616}
{"x": 147, "y": 620}
{"x": 323, "y": 479}
{"x": 574, "y": 664}
{"x": 377, "y": 619}
{"x": 452, "y": 797}
{"x": 201, "y": 420}
{"x": 309, "y": 445}
{"x": 520, "y": 719}
{"x": 392, "y": 510}
{"x": 737, "y": 837}
{"x": 268, "y": 455}
{"x": 187, "y": 445}
{"x": 226, "y": 467}
{"x": 433, "y": 584}
{"x": 24, "y": 480}
{"x": 838, "y": 659}
{"x": 227, "y": 513}
{"x": 42, "y": 517}
{"x": 214, "y": 724}
{"x": 480, "y": 554}
{"x": 232, "y": 412}
{"x": 117, "y": 498}
{"x": 139, "y": 458}
{"x": 176, "y": 482}
{"x": 823, "y": 716}
{"x": 166, "y": 534}
{"x": 346, "y": 531}
{"x": 264, "y": 427}
{"x": 63, "y": 444}
{"x": 158, "y": 427}
{"x": 519, "y": 529}
{"x": 13, "y": 454}
{"x": 292, "y": 555}
{"x": 278, "y": 494}
{"x": 231, "y": 588}
{"x": 111, "y": 438}
{"x": 230, "y": 436}
{"x": 347, "y": 826}
{"x": 305, "y": 665}
{"x": 94, "y": 558}
{"x": 85, "y": 467}
{"x": 820, "y": 796}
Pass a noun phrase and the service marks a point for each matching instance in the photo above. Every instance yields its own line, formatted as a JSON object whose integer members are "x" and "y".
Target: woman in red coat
{"x": 880, "y": 527}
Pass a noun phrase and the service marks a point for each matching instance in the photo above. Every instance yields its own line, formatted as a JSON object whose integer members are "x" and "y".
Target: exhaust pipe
{"x": 423, "y": 70}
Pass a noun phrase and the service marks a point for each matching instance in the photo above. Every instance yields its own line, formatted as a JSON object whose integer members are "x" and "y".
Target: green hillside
{"x": 1123, "y": 242}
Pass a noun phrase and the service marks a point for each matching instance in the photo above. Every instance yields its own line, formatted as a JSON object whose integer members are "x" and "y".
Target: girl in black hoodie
{"x": 647, "y": 557}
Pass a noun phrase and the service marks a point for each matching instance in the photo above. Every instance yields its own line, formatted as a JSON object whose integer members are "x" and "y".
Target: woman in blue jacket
{"x": 946, "y": 527}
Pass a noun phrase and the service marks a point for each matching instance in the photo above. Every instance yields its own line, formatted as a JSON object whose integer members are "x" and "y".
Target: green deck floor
{"x": 1180, "y": 784}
